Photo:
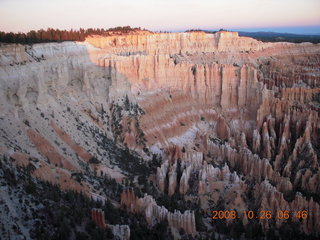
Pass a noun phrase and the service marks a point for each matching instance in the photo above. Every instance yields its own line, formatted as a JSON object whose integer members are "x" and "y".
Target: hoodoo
{"x": 191, "y": 123}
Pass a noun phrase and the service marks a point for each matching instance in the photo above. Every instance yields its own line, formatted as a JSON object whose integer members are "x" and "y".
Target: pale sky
{"x": 171, "y": 15}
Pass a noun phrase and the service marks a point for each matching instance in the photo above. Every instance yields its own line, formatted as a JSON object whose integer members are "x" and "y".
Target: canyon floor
{"x": 158, "y": 131}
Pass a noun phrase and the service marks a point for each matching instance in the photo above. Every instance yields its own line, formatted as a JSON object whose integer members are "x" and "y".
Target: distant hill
{"x": 281, "y": 37}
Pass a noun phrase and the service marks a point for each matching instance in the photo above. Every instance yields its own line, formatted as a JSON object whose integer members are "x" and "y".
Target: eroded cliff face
{"x": 154, "y": 213}
{"x": 231, "y": 118}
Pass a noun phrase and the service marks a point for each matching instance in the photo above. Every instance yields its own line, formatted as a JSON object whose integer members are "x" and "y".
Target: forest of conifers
{"x": 56, "y": 35}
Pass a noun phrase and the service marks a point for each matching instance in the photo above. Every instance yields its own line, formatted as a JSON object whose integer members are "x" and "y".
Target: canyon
{"x": 183, "y": 123}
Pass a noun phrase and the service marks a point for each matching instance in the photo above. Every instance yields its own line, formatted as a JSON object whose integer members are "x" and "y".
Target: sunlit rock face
{"x": 235, "y": 120}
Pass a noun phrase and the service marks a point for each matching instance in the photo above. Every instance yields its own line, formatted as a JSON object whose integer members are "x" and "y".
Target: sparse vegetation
{"x": 94, "y": 160}
{"x": 62, "y": 214}
{"x": 316, "y": 98}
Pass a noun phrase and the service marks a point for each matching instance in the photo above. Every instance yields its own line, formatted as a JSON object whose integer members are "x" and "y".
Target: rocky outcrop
{"x": 172, "y": 177}
{"x": 209, "y": 176}
{"x": 167, "y": 174}
{"x": 192, "y": 42}
{"x": 121, "y": 232}
{"x": 184, "y": 181}
{"x": 161, "y": 175}
{"x": 154, "y": 213}
{"x": 163, "y": 43}
{"x": 274, "y": 201}
{"x": 97, "y": 215}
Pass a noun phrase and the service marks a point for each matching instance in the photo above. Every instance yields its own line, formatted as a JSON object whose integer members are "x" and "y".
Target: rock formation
{"x": 97, "y": 215}
{"x": 154, "y": 213}
{"x": 119, "y": 231}
{"x": 274, "y": 201}
{"x": 227, "y": 116}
